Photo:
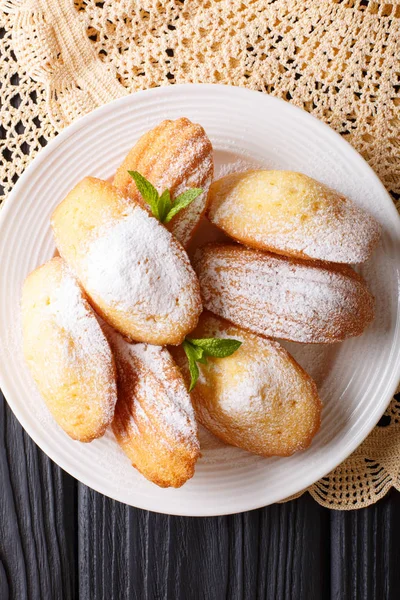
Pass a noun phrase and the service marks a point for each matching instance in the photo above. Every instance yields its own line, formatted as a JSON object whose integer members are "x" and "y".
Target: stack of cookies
{"x": 110, "y": 323}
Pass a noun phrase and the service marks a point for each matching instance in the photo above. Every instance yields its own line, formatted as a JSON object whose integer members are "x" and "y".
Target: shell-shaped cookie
{"x": 175, "y": 155}
{"x": 154, "y": 420}
{"x": 67, "y": 352}
{"x": 292, "y": 214}
{"x": 135, "y": 273}
{"x": 282, "y": 297}
{"x": 258, "y": 399}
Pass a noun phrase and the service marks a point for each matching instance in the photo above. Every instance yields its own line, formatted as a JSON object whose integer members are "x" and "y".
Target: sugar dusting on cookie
{"x": 175, "y": 155}
{"x": 74, "y": 316}
{"x": 67, "y": 352}
{"x": 280, "y": 297}
{"x": 315, "y": 359}
{"x": 83, "y": 344}
{"x": 192, "y": 167}
{"x": 291, "y": 213}
{"x": 186, "y": 221}
{"x": 156, "y": 391}
{"x": 135, "y": 266}
{"x": 258, "y": 398}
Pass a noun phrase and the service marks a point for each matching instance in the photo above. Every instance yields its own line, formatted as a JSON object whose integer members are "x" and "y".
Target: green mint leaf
{"x": 182, "y": 201}
{"x": 198, "y": 353}
{"x": 147, "y": 191}
{"x": 217, "y": 347}
{"x": 198, "y": 350}
{"x": 193, "y": 368}
{"x": 161, "y": 206}
{"x": 164, "y": 205}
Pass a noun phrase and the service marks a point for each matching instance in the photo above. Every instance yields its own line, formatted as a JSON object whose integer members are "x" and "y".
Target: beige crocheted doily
{"x": 338, "y": 59}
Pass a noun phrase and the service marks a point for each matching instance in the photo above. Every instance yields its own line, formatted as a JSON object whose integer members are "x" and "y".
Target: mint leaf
{"x": 217, "y": 347}
{"x": 147, "y": 191}
{"x": 193, "y": 368}
{"x": 198, "y": 353}
{"x": 198, "y": 350}
{"x": 164, "y": 205}
{"x": 161, "y": 206}
{"x": 182, "y": 201}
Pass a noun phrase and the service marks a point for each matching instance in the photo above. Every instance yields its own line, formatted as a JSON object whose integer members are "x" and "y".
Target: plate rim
{"x": 82, "y": 122}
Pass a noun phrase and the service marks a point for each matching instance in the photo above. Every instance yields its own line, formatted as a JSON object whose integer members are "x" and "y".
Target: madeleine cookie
{"x": 276, "y": 296}
{"x": 258, "y": 399}
{"x": 292, "y": 214}
{"x": 154, "y": 420}
{"x": 135, "y": 273}
{"x": 67, "y": 352}
{"x": 175, "y": 155}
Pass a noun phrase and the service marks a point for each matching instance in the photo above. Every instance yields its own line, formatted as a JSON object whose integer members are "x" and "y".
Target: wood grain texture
{"x": 61, "y": 540}
{"x": 37, "y": 518}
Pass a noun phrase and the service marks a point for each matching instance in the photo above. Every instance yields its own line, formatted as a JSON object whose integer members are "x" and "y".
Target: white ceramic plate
{"x": 356, "y": 379}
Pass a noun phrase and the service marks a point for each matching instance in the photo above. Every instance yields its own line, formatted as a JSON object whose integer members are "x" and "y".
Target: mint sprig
{"x": 162, "y": 206}
{"x": 197, "y": 351}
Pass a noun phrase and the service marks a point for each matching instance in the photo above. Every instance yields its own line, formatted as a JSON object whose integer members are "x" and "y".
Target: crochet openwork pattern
{"x": 338, "y": 59}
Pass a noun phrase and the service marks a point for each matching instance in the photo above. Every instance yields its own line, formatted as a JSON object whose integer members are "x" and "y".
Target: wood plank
{"x": 294, "y": 556}
{"x": 130, "y": 553}
{"x": 273, "y": 552}
{"x": 4, "y": 588}
{"x": 37, "y": 518}
{"x": 365, "y": 551}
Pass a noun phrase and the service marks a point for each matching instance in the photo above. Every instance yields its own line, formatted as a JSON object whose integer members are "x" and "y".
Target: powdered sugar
{"x": 180, "y": 415}
{"x": 186, "y": 221}
{"x": 262, "y": 370}
{"x": 158, "y": 390}
{"x": 134, "y": 265}
{"x": 245, "y": 392}
{"x": 84, "y": 347}
{"x": 193, "y": 162}
{"x": 74, "y": 316}
{"x": 193, "y": 167}
{"x": 292, "y": 213}
{"x": 175, "y": 155}
{"x": 316, "y": 359}
{"x": 237, "y": 166}
{"x": 280, "y": 297}
{"x": 67, "y": 352}
{"x": 258, "y": 398}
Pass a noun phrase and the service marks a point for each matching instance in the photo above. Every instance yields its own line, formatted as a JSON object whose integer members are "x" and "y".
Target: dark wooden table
{"x": 59, "y": 539}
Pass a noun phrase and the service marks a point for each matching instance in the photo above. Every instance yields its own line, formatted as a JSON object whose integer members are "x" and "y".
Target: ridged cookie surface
{"x": 175, "y": 155}
{"x": 292, "y": 214}
{"x": 154, "y": 419}
{"x": 135, "y": 273}
{"x": 277, "y": 296}
{"x": 67, "y": 352}
{"x": 258, "y": 399}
